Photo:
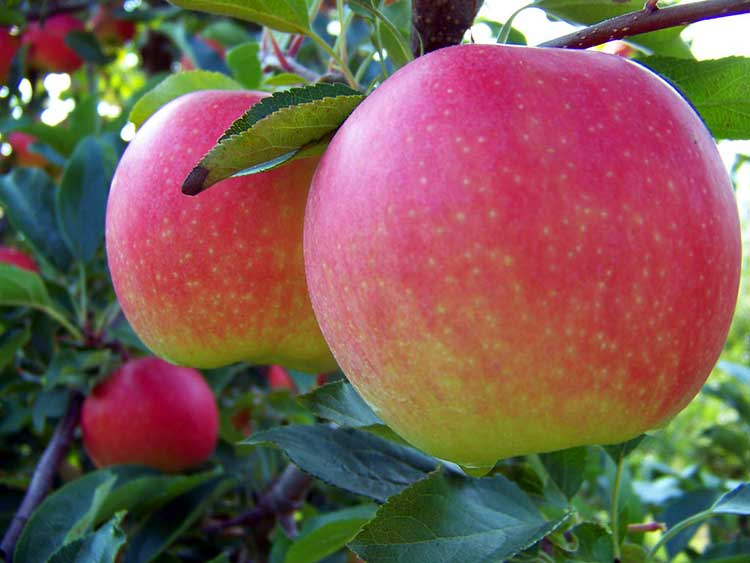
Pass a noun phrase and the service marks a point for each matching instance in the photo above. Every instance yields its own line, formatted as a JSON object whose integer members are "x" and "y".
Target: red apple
{"x": 217, "y": 278}
{"x": 47, "y": 50}
{"x": 8, "y": 47}
{"x": 514, "y": 250}
{"x": 22, "y": 153}
{"x": 109, "y": 29}
{"x": 278, "y": 378}
{"x": 15, "y": 257}
{"x": 152, "y": 413}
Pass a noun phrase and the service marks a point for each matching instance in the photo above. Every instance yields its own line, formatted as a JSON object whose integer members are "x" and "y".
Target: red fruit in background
{"x": 10, "y": 255}
{"x": 242, "y": 421}
{"x": 153, "y": 413}
{"x": 8, "y": 47}
{"x": 109, "y": 29}
{"x": 186, "y": 63}
{"x": 514, "y": 250}
{"x": 22, "y": 153}
{"x": 278, "y": 378}
{"x": 47, "y": 50}
{"x": 217, "y": 278}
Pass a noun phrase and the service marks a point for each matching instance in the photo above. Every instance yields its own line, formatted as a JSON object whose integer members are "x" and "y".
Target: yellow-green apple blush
{"x": 515, "y": 250}
{"x": 218, "y": 278}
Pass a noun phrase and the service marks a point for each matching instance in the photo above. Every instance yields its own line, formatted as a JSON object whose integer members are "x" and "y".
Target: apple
{"x": 22, "y": 153}
{"x": 109, "y": 29}
{"x": 15, "y": 257}
{"x": 47, "y": 50}
{"x": 8, "y": 47}
{"x": 278, "y": 378}
{"x": 513, "y": 250}
{"x": 217, "y": 278}
{"x": 153, "y": 413}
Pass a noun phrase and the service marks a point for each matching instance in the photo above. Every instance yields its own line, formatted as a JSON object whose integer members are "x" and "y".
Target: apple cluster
{"x": 507, "y": 250}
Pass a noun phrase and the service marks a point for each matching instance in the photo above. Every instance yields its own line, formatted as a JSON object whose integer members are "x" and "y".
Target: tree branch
{"x": 45, "y": 470}
{"x": 441, "y": 23}
{"x": 647, "y": 20}
{"x": 281, "y": 499}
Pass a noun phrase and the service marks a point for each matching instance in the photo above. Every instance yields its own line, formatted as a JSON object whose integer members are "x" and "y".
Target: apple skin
{"x": 8, "y": 47}
{"x": 109, "y": 29}
{"x": 218, "y": 278}
{"x": 153, "y": 413}
{"x": 278, "y": 378}
{"x": 515, "y": 250}
{"x": 22, "y": 153}
{"x": 48, "y": 51}
{"x": 15, "y": 257}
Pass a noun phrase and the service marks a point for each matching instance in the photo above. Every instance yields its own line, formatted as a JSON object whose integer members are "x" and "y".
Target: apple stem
{"x": 41, "y": 480}
{"x": 615, "y": 517}
{"x": 648, "y": 19}
{"x": 441, "y": 23}
{"x": 279, "y": 501}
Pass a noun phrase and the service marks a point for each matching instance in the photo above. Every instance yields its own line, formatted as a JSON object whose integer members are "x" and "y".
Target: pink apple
{"x": 218, "y": 278}
{"x": 15, "y": 257}
{"x": 514, "y": 250}
{"x": 278, "y": 378}
{"x": 152, "y": 413}
{"x": 22, "y": 153}
{"x": 47, "y": 50}
{"x": 109, "y": 29}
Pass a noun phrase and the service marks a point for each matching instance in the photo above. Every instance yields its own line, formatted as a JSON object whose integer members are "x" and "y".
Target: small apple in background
{"x": 8, "y": 46}
{"x": 10, "y": 255}
{"x": 109, "y": 29}
{"x": 278, "y": 378}
{"x": 153, "y": 413}
{"x": 22, "y": 154}
{"x": 619, "y": 48}
{"x": 218, "y": 278}
{"x": 47, "y": 50}
{"x": 514, "y": 250}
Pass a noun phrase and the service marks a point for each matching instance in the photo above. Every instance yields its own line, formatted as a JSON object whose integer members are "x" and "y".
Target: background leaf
{"x": 283, "y": 15}
{"x": 349, "y": 459}
{"x": 454, "y": 519}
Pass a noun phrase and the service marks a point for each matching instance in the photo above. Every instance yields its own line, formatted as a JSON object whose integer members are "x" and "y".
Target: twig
{"x": 441, "y": 23}
{"x": 647, "y": 20}
{"x": 280, "y": 500}
{"x": 45, "y": 470}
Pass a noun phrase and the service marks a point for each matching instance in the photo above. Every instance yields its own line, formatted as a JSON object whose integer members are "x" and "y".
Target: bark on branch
{"x": 45, "y": 470}
{"x": 647, "y": 20}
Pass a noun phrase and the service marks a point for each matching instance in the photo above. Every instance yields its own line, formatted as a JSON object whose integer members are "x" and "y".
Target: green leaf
{"x": 64, "y": 516}
{"x": 175, "y": 86}
{"x": 28, "y": 196}
{"x": 587, "y": 12}
{"x": 736, "y": 501}
{"x": 340, "y": 403}
{"x": 101, "y": 546}
{"x": 10, "y": 341}
{"x": 718, "y": 90}
{"x": 87, "y": 46}
{"x": 326, "y": 534}
{"x": 165, "y": 525}
{"x": 594, "y": 543}
{"x": 244, "y": 63}
{"x": 454, "y": 519}
{"x": 21, "y": 288}
{"x": 566, "y": 468}
{"x": 282, "y": 15}
{"x": 623, "y": 449}
{"x": 273, "y": 131}
{"x": 735, "y": 552}
{"x": 81, "y": 200}
{"x": 681, "y": 509}
{"x": 349, "y": 459}
{"x": 11, "y": 16}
